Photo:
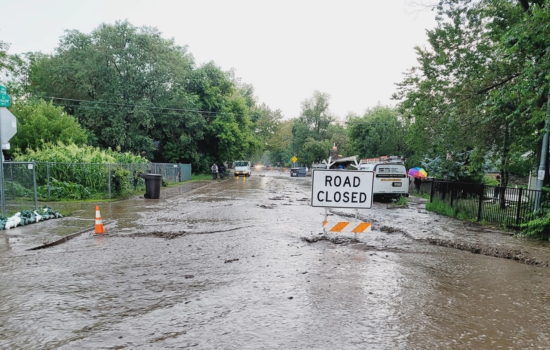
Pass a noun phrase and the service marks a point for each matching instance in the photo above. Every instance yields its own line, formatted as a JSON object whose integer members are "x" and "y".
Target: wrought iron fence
{"x": 27, "y": 182}
{"x": 506, "y": 206}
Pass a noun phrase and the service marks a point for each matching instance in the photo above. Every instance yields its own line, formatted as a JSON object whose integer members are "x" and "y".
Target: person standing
{"x": 417, "y": 183}
{"x": 214, "y": 172}
{"x": 221, "y": 170}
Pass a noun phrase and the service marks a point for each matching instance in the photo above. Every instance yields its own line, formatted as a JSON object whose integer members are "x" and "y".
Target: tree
{"x": 380, "y": 131}
{"x": 314, "y": 122}
{"x": 3, "y": 54}
{"x": 39, "y": 122}
{"x": 474, "y": 91}
{"x": 315, "y": 114}
{"x": 314, "y": 150}
{"x": 137, "y": 91}
{"x": 125, "y": 84}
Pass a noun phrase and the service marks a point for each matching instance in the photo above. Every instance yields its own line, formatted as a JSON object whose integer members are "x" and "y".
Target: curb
{"x": 64, "y": 239}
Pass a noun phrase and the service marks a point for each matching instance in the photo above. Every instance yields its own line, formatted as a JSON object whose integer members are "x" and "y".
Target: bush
{"x": 538, "y": 225}
{"x": 119, "y": 180}
{"x": 63, "y": 190}
{"x": 18, "y": 190}
{"x": 83, "y": 165}
{"x": 71, "y": 153}
{"x": 440, "y": 207}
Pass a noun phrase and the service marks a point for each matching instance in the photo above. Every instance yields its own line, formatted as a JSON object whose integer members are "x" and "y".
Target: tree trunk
{"x": 504, "y": 166}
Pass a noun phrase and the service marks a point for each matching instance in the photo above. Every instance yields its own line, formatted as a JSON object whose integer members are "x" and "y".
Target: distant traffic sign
{"x": 3, "y": 90}
{"x": 294, "y": 159}
{"x": 342, "y": 189}
{"x": 4, "y": 100}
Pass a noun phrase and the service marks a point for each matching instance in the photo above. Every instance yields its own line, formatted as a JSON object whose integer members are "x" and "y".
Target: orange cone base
{"x": 99, "y": 229}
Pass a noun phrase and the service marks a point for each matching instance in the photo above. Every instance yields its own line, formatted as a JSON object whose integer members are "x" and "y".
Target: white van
{"x": 390, "y": 177}
{"x": 242, "y": 167}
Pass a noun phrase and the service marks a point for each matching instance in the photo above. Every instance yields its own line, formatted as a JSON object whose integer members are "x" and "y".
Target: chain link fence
{"x": 27, "y": 182}
{"x": 19, "y": 190}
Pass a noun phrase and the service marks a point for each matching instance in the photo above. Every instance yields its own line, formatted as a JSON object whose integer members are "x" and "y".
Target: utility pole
{"x": 543, "y": 155}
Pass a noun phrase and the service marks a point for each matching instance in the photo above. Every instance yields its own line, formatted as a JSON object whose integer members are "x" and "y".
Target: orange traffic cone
{"x": 98, "y": 222}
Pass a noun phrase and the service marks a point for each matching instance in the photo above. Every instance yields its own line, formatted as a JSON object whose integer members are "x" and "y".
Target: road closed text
{"x": 342, "y": 189}
{"x": 337, "y": 196}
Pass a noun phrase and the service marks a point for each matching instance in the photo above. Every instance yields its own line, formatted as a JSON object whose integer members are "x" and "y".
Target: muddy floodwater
{"x": 244, "y": 264}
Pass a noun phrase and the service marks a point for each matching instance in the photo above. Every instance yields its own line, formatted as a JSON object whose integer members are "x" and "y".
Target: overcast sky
{"x": 355, "y": 50}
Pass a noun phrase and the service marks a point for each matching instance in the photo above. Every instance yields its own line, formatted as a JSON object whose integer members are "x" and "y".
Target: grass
{"x": 440, "y": 207}
{"x": 421, "y": 195}
{"x": 402, "y": 201}
{"x": 201, "y": 177}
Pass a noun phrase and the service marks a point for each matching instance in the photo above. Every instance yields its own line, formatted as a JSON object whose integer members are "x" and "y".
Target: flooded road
{"x": 223, "y": 265}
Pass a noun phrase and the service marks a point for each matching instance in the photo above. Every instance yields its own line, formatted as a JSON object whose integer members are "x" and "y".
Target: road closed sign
{"x": 342, "y": 189}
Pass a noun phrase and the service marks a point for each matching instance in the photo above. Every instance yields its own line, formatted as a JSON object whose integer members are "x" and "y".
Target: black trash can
{"x": 152, "y": 185}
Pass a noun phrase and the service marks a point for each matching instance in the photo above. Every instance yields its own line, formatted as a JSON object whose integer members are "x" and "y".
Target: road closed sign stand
{"x": 349, "y": 189}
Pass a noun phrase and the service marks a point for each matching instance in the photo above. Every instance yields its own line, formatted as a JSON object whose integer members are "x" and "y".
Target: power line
{"x": 124, "y": 105}
{"x": 79, "y": 106}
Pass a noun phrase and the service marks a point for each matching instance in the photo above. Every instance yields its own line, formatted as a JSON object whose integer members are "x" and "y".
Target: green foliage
{"x": 71, "y": 153}
{"x": 119, "y": 180}
{"x": 312, "y": 132}
{"x": 84, "y": 166}
{"x": 40, "y": 122}
{"x": 62, "y": 190}
{"x": 313, "y": 150}
{"x": 381, "y": 131}
{"x": 422, "y": 195}
{"x": 481, "y": 84}
{"x": 3, "y": 54}
{"x": 402, "y": 200}
{"x": 538, "y": 225}
{"x": 440, "y": 207}
{"x": 18, "y": 190}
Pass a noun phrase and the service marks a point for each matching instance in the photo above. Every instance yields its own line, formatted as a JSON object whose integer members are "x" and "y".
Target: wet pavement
{"x": 223, "y": 265}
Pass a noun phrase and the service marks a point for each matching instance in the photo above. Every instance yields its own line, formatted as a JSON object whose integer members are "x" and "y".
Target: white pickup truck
{"x": 242, "y": 167}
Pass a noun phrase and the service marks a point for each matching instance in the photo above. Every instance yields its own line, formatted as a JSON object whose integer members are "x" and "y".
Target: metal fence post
{"x": 452, "y": 197}
{"x": 109, "y": 175}
{"x": 12, "y": 186}
{"x": 34, "y": 185}
{"x": 519, "y": 206}
{"x": 481, "y": 195}
{"x": 48, "y": 179}
{"x": 432, "y": 192}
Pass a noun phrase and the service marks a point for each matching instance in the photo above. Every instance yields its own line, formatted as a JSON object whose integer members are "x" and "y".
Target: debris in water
{"x": 335, "y": 240}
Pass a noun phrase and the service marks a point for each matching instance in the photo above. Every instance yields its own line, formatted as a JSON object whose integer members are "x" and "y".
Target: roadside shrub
{"x": 18, "y": 190}
{"x": 71, "y": 153}
{"x": 83, "y": 165}
{"x": 538, "y": 225}
{"x": 63, "y": 190}
{"x": 119, "y": 180}
{"x": 440, "y": 207}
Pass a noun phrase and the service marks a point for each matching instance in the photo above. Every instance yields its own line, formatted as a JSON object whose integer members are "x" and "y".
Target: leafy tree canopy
{"x": 39, "y": 121}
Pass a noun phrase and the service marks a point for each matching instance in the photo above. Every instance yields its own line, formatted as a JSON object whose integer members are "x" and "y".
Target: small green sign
{"x": 3, "y": 90}
{"x": 4, "y": 100}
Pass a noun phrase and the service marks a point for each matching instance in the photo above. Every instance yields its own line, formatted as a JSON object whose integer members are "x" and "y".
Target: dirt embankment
{"x": 514, "y": 254}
